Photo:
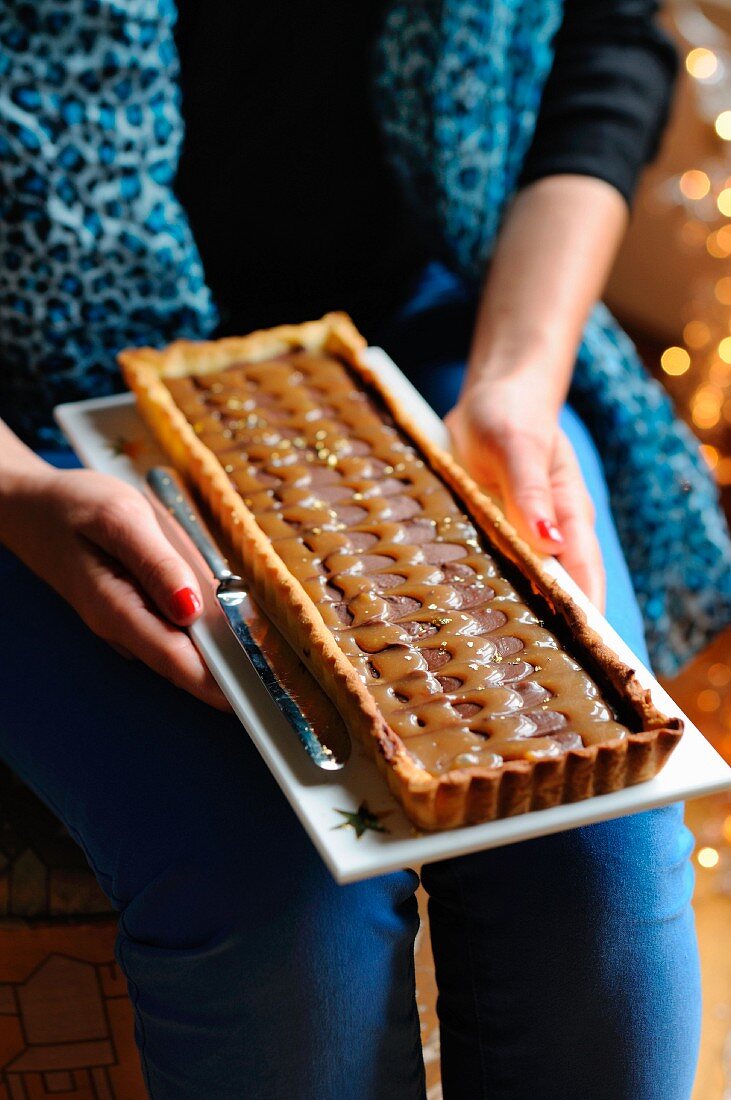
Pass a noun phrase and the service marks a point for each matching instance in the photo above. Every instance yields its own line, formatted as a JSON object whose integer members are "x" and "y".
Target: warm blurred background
{"x": 672, "y": 290}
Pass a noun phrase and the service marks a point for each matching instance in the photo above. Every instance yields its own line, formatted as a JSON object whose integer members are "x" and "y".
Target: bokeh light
{"x": 719, "y": 373}
{"x": 694, "y": 184}
{"x": 701, "y": 63}
{"x": 675, "y": 361}
{"x": 723, "y": 471}
{"x": 694, "y": 233}
{"x": 719, "y": 675}
{"x": 723, "y": 202}
{"x": 723, "y": 238}
{"x": 723, "y": 125}
{"x": 696, "y": 334}
{"x": 708, "y": 858}
{"x": 718, "y": 246}
{"x": 706, "y": 406}
{"x": 708, "y": 700}
{"x": 722, "y": 290}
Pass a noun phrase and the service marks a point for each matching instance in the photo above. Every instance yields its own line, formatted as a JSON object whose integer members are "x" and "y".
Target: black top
{"x": 283, "y": 175}
{"x": 607, "y": 98}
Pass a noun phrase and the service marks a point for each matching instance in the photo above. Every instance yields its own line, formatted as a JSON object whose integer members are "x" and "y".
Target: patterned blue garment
{"x": 458, "y": 85}
{"x": 96, "y": 251}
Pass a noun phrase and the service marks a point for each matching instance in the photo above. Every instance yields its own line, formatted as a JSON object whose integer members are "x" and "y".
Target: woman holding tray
{"x": 515, "y": 132}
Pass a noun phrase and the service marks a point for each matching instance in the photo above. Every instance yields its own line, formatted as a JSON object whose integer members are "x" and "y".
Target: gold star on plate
{"x": 130, "y": 448}
{"x": 362, "y": 819}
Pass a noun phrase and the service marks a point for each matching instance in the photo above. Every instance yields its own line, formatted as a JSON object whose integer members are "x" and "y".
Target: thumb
{"x": 527, "y": 494}
{"x": 128, "y": 531}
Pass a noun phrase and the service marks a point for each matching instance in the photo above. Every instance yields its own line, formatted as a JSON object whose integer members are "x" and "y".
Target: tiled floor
{"x": 708, "y": 703}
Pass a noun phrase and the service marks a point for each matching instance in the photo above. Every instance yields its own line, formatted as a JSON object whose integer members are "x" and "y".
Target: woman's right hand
{"x": 97, "y": 542}
{"x": 506, "y": 433}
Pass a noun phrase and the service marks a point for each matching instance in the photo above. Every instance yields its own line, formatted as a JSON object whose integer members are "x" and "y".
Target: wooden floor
{"x": 704, "y": 692}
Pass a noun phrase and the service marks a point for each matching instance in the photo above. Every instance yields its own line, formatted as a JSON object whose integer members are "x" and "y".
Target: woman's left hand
{"x": 507, "y": 435}
{"x": 554, "y": 251}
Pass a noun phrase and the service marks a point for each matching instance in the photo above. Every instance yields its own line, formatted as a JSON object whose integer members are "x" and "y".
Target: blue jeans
{"x": 567, "y": 966}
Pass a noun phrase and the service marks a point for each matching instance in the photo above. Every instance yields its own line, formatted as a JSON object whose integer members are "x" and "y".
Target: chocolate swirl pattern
{"x": 460, "y": 667}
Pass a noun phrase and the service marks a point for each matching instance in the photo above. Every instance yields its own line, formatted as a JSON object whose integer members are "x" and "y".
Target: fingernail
{"x": 185, "y": 603}
{"x": 548, "y": 530}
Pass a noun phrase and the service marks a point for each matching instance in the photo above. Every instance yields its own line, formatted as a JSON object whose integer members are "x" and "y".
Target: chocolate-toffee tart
{"x": 469, "y": 672}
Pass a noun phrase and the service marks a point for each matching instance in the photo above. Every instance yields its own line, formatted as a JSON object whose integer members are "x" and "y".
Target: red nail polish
{"x": 548, "y": 530}
{"x": 185, "y": 603}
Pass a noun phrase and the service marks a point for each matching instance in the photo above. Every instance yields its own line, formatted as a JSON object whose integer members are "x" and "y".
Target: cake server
{"x": 233, "y": 596}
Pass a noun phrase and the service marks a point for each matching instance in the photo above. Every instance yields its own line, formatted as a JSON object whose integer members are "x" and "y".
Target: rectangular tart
{"x": 470, "y": 674}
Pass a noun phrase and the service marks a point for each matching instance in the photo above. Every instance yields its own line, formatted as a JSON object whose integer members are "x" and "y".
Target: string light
{"x": 724, "y": 349}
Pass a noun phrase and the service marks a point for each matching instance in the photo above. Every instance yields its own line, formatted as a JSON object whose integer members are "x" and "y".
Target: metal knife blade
{"x": 233, "y": 598}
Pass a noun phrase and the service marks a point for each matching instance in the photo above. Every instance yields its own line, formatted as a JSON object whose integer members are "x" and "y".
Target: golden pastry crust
{"x": 463, "y": 796}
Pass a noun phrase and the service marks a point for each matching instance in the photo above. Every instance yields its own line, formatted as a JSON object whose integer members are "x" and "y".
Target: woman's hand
{"x": 97, "y": 542}
{"x": 507, "y": 435}
{"x": 554, "y": 251}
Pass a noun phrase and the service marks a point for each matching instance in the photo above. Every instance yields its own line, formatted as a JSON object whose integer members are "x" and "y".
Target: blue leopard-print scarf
{"x": 458, "y": 86}
{"x": 96, "y": 252}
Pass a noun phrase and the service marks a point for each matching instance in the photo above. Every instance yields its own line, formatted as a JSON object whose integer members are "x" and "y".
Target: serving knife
{"x": 233, "y": 596}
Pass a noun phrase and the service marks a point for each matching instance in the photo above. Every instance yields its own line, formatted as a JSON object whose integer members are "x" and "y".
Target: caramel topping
{"x": 462, "y": 669}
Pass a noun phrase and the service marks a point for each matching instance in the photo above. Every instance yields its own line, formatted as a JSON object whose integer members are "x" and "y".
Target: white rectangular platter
{"x": 109, "y": 435}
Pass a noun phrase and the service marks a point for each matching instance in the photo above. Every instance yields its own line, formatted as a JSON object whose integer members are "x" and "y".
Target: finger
{"x": 527, "y": 492}
{"x": 127, "y": 530}
{"x": 583, "y": 561}
{"x": 582, "y": 556}
{"x": 118, "y": 613}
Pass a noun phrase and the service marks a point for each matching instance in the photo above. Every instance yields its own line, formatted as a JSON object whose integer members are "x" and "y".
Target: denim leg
{"x": 567, "y": 966}
{"x": 252, "y": 973}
